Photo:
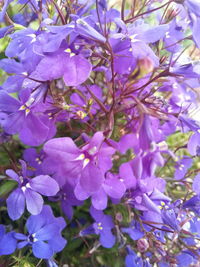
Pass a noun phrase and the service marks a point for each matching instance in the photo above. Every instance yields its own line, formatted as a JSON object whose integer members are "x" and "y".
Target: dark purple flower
{"x": 193, "y": 204}
{"x": 134, "y": 230}
{"x": 29, "y": 191}
{"x": 132, "y": 260}
{"x": 44, "y": 234}
{"x": 34, "y": 160}
{"x": 169, "y": 218}
{"x": 68, "y": 200}
{"x": 102, "y": 226}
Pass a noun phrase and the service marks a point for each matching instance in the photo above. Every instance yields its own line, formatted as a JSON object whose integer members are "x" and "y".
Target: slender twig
{"x": 147, "y": 12}
{"x": 122, "y": 9}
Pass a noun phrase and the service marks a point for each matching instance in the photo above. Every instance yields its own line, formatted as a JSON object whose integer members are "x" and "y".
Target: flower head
{"x": 44, "y": 234}
{"x": 29, "y": 191}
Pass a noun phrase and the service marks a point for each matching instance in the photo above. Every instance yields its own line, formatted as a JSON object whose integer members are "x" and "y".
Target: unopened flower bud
{"x": 146, "y": 65}
{"x": 119, "y": 216}
{"x": 142, "y": 245}
{"x": 81, "y": 114}
{"x": 171, "y": 13}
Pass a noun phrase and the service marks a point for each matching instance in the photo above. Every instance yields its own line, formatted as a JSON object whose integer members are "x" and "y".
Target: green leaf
{"x": 7, "y": 187}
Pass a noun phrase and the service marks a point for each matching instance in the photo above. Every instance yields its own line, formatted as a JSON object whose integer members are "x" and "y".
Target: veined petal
{"x": 49, "y": 231}
{"x": 63, "y": 144}
{"x": 91, "y": 178}
{"x": 8, "y": 103}
{"x": 114, "y": 188}
{"x": 20, "y": 236}
{"x": 32, "y": 135}
{"x": 34, "y": 201}
{"x": 22, "y": 244}
{"x": 77, "y": 70}
{"x": 58, "y": 243}
{"x": 99, "y": 200}
{"x": 15, "y": 204}
{"x": 7, "y": 244}
{"x": 12, "y": 174}
{"x": 44, "y": 185}
{"x": 14, "y": 122}
{"x": 80, "y": 193}
{"x": 42, "y": 250}
{"x": 107, "y": 239}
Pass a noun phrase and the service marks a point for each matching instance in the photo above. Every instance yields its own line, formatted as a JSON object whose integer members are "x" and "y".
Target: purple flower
{"x": 7, "y": 241}
{"x": 132, "y": 260}
{"x": 102, "y": 226}
{"x": 44, "y": 234}
{"x": 134, "y": 230}
{"x": 186, "y": 259}
{"x": 25, "y": 118}
{"x": 81, "y": 165}
{"x": 172, "y": 36}
{"x": 34, "y": 160}
{"x": 29, "y": 191}
{"x": 74, "y": 69}
{"x": 83, "y": 28}
{"x": 14, "y": 82}
{"x": 111, "y": 186}
{"x": 84, "y": 101}
{"x": 193, "y": 204}
{"x": 68, "y": 200}
{"x": 146, "y": 193}
{"x": 169, "y": 217}
{"x": 182, "y": 167}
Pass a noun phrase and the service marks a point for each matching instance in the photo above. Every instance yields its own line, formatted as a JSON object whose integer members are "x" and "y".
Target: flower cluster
{"x": 99, "y": 124}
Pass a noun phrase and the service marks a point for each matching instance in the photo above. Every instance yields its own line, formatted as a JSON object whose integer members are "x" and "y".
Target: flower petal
{"x": 107, "y": 239}
{"x": 60, "y": 145}
{"x": 99, "y": 200}
{"x": 77, "y": 70}
{"x": 12, "y": 174}
{"x": 8, "y": 103}
{"x": 49, "y": 231}
{"x": 44, "y": 185}
{"x": 42, "y": 250}
{"x": 8, "y": 244}
{"x": 34, "y": 201}
{"x": 91, "y": 178}
{"x": 15, "y": 204}
{"x": 58, "y": 243}
{"x": 114, "y": 188}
